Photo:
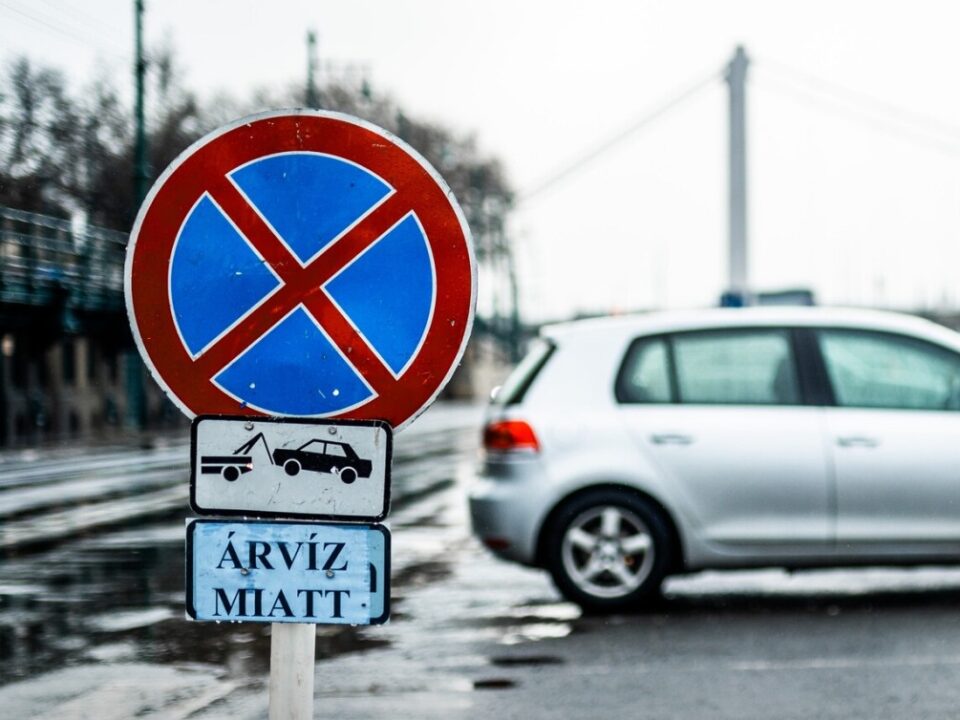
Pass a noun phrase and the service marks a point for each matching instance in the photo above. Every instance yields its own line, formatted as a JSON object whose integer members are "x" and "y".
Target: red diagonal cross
{"x": 302, "y": 284}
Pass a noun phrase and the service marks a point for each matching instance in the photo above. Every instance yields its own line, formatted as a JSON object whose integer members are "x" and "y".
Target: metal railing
{"x": 46, "y": 261}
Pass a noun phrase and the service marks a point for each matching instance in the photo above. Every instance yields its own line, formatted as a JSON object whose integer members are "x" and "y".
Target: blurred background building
{"x": 68, "y": 365}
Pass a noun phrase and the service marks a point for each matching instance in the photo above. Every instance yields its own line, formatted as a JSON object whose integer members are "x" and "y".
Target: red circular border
{"x": 176, "y": 192}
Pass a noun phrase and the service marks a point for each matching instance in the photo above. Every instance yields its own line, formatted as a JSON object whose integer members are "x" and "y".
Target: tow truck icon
{"x": 320, "y": 456}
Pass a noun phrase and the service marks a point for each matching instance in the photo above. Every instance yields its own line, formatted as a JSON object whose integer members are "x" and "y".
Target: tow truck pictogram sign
{"x": 283, "y": 467}
{"x": 316, "y": 455}
{"x": 301, "y": 264}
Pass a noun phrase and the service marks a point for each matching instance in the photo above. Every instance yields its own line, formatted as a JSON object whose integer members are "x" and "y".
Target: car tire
{"x": 291, "y": 467}
{"x": 608, "y": 550}
{"x": 231, "y": 473}
{"x": 348, "y": 475}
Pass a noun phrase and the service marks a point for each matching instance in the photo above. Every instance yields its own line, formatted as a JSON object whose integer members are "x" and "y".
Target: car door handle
{"x": 855, "y": 441}
{"x": 671, "y": 439}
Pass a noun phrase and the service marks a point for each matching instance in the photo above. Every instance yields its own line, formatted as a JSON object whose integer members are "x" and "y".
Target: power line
{"x": 882, "y": 115}
{"x": 605, "y": 146}
{"x": 875, "y": 122}
{"x": 91, "y": 22}
{"x": 43, "y": 24}
{"x": 861, "y": 98}
{"x": 67, "y": 32}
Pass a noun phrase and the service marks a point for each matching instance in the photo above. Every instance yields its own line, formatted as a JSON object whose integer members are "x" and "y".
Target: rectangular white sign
{"x": 298, "y": 572}
{"x": 279, "y": 467}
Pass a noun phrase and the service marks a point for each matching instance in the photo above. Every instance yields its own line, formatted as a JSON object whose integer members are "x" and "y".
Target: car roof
{"x": 656, "y": 322}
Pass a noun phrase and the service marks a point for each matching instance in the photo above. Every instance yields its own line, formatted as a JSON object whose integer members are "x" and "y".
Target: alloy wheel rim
{"x": 607, "y": 551}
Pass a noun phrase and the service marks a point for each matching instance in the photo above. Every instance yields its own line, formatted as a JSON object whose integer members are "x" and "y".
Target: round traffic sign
{"x": 301, "y": 263}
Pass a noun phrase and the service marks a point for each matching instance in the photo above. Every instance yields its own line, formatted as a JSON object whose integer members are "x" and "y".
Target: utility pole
{"x": 312, "y": 97}
{"x": 136, "y": 396}
{"x": 515, "y": 329}
{"x": 736, "y": 76}
{"x": 141, "y": 166}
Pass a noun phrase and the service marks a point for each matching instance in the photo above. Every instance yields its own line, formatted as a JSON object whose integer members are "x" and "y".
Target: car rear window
{"x": 519, "y": 381}
{"x": 645, "y": 377}
{"x": 736, "y": 367}
{"x": 752, "y": 366}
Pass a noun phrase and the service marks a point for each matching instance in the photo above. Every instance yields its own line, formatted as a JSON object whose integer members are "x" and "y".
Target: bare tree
{"x": 62, "y": 152}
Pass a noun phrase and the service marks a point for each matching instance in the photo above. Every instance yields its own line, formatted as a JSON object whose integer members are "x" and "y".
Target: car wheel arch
{"x": 671, "y": 523}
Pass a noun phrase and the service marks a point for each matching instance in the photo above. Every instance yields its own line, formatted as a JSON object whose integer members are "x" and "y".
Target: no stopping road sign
{"x": 301, "y": 263}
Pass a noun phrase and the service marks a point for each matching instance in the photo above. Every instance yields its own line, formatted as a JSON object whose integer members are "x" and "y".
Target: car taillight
{"x": 502, "y": 435}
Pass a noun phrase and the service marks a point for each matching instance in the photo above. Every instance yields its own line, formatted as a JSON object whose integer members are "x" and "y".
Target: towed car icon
{"x": 324, "y": 456}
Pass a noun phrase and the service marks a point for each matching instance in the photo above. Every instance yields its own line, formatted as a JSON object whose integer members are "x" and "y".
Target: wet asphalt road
{"x": 91, "y": 618}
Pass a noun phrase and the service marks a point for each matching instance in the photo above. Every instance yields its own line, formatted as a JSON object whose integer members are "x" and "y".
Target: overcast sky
{"x": 853, "y": 122}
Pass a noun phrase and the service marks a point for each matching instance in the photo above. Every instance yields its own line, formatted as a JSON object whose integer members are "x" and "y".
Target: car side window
{"x": 736, "y": 367}
{"x": 336, "y": 450}
{"x": 645, "y": 377}
{"x": 883, "y": 370}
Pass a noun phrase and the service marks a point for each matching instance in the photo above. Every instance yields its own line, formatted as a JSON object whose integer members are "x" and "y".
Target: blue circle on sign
{"x": 217, "y": 278}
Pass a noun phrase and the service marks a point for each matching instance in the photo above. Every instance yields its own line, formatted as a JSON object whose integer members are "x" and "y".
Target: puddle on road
{"x": 532, "y": 632}
{"x": 429, "y": 520}
{"x": 494, "y": 684}
{"x": 526, "y": 660}
{"x": 552, "y": 612}
{"x": 827, "y": 591}
{"x": 529, "y": 622}
{"x": 112, "y": 652}
{"x": 422, "y": 573}
{"x": 130, "y": 619}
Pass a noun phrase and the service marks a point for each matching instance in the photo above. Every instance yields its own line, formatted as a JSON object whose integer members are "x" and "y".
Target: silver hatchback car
{"x": 623, "y": 450}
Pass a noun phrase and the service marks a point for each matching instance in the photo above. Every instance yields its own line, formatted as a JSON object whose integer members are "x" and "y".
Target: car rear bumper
{"x": 507, "y": 506}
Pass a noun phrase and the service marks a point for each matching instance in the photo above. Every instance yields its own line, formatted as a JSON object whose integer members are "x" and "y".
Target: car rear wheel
{"x": 348, "y": 475}
{"x": 608, "y": 550}
{"x": 291, "y": 467}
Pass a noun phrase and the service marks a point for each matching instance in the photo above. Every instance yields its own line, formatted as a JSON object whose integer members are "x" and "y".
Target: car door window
{"x": 883, "y": 370}
{"x": 736, "y": 367}
{"x": 336, "y": 450}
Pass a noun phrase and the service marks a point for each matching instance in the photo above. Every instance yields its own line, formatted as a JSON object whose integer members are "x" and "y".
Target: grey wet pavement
{"x": 92, "y": 627}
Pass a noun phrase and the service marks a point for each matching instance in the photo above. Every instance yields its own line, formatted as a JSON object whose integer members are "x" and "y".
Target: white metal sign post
{"x": 302, "y": 284}
{"x": 292, "y": 659}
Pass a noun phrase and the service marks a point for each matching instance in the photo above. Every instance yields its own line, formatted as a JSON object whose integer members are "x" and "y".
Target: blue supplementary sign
{"x": 257, "y": 571}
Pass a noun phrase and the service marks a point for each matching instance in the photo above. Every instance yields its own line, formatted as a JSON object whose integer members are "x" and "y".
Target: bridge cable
{"x": 881, "y": 115}
{"x": 605, "y": 146}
